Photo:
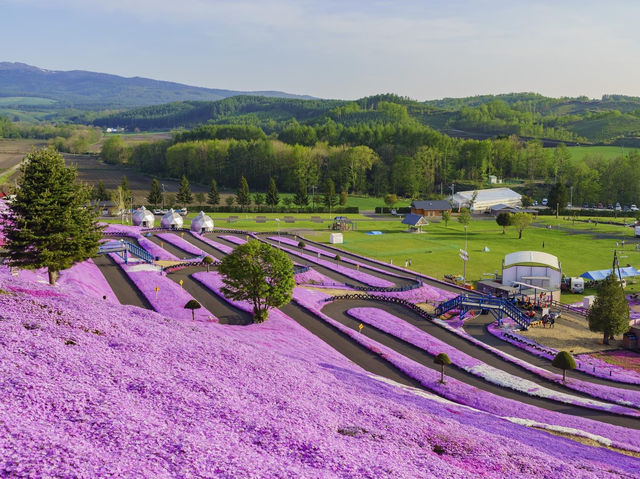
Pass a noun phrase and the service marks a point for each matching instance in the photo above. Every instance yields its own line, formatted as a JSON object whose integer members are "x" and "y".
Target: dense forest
{"x": 613, "y": 119}
{"x": 409, "y": 159}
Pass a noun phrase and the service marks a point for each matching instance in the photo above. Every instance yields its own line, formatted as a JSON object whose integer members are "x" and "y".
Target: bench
{"x": 261, "y": 219}
{"x": 231, "y": 219}
{"x": 289, "y": 219}
{"x": 316, "y": 219}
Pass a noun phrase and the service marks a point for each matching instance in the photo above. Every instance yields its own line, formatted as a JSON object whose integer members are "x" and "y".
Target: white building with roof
{"x": 486, "y": 199}
{"x": 143, "y": 217}
{"x": 532, "y": 268}
{"x": 202, "y": 223}
{"x": 172, "y": 220}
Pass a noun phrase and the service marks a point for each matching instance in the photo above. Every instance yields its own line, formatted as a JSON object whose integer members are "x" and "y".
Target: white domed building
{"x": 143, "y": 217}
{"x": 172, "y": 220}
{"x": 202, "y": 223}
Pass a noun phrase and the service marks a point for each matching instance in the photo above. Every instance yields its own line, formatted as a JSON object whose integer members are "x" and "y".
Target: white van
{"x": 544, "y": 202}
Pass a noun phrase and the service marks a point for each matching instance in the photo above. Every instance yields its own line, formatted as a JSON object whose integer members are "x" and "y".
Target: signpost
{"x": 156, "y": 289}
{"x": 464, "y": 256}
{"x": 181, "y": 281}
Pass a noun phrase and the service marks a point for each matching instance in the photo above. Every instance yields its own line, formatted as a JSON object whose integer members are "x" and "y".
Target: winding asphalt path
{"x": 367, "y": 359}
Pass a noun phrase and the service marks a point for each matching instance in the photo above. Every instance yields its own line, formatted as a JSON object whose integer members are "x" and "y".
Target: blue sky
{"x": 338, "y": 49}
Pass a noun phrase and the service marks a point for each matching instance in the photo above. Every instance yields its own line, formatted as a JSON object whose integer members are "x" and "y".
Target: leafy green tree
{"x": 557, "y": 198}
{"x": 115, "y": 151}
{"x": 192, "y": 304}
{"x": 214, "y": 197}
{"x": 258, "y": 199}
{"x": 564, "y": 361}
{"x": 464, "y": 217}
{"x": 100, "y": 193}
{"x": 504, "y": 219}
{"x": 126, "y": 191}
{"x": 609, "y": 313}
{"x": 273, "y": 197}
{"x": 446, "y": 217}
{"x": 243, "y": 197}
{"x": 184, "y": 192}
{"x": 521, "y": 221}
{"x": 49, "y": 225}
{"x": 344, "y": 197}
{"x": 301, "y": 198}
{"x": 208, "y": 260}
{"x": 443, "y": 360}
{"x": 330, "y": 198}
{"x": 258, "y": 273}
{"x": 230, "y": 200}
{"x": 288, "y": 201}
{"x": 390, "y": 199}
{"x": 155, "y": 194}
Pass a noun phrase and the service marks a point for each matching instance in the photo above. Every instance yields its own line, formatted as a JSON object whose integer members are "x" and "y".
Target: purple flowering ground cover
{"x": 314, "y": 278}
{"x": 171, "y": 297}
{"x": 92, "y": 389}
{"x": 588, "y": 364}
{"x": 350, "y": 273}
{"x": 232, "y": 239}
{"x": 181, "y": 243}
{"x": 462, "y": 393}
{"x": 393, "y": 325}
{"x": 219, "y": 246}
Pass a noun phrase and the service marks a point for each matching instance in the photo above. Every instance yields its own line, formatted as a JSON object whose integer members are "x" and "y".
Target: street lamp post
{"x": 464, "y": 272}
{"x": 163, "y": 191}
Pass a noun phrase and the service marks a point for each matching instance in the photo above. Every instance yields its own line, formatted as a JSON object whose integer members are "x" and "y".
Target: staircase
{"x": 123, "y": 248}
{"x": 497, "y": 306}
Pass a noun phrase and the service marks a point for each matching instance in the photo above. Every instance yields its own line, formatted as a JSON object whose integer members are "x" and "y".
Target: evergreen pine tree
{"x": 100, "y": 193}
{"x": 214, "y": 197}
{"x": 49, "y": 225}
{"x": 273, "y": 198}
{"x": 330, "y": 198}
{"x": 184, "y": 192}
{"x": 301, "y": 198}
{"x": 609, "y": 313}
{"x": 126, "y": 191}
{"x": 155, "y": 194}
{"x": 243, "y": 197}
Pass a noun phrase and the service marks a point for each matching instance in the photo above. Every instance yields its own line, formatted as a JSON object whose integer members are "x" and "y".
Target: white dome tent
{"x": 486, "y": 199}
{"x": 202, "y": 223}
{"x": 143, "y": 217}
{"x": 172, "y": 220}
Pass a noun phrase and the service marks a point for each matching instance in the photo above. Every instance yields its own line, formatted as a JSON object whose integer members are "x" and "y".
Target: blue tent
{"x": 603, "y": 273}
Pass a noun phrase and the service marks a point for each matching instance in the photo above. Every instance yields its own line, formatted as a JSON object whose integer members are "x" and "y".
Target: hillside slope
{"x": 93, "y": 389}
{"x": 87, "y": 90}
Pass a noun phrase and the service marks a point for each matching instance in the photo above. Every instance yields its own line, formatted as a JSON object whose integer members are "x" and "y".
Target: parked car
{"x": 585, "y": 205}
{"x": 182, "y": 211}
{"x": 618, "y": 207}
{"x": 600, "y": 206}
{"x": 625, "y": 208}
{"x": 544, "y": 201}
{"x": 535, "y": 203}
{"x": 633, "y": 208}
{"x": 593, "y": 206}
{"x": 609, "y": 206}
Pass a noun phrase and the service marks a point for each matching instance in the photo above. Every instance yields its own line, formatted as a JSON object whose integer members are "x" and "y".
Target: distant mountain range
{"x": 22, "y": 84}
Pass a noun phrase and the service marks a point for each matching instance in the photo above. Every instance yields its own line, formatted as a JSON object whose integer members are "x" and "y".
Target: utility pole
{"x": 163, "y": 190}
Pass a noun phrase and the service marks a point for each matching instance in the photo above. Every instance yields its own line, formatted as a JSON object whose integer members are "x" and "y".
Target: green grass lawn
{"x": 608, "y": 152}
{"x": 435, "y": 252}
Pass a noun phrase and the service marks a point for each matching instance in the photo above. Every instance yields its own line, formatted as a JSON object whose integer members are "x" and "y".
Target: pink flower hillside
{"x": 92, "y": 389}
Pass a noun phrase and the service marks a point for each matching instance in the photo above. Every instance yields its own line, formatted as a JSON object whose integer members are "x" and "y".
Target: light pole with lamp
{"x": 464, "y": 256}
{"x": 163, "y": 191}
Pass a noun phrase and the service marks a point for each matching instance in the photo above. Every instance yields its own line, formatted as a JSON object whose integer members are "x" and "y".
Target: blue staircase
{"x": 496, "y": 306}
{"x": 124, "y": 248}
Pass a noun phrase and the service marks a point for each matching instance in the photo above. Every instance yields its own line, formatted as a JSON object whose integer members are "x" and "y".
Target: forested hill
{"x": 612, "y": 119}
{"x": 90, "y": 90}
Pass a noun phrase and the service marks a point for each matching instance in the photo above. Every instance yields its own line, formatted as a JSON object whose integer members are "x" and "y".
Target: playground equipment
{"x": 124, "y": 249}
{"x": 498, "y": 307}
{"x": 341, "y": 223}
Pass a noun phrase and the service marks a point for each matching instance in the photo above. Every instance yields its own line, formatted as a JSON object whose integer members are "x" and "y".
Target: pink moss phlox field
{"x": 314, "y": 278}
{"x": 397, "y": 327}
{"x": 92, "y": 389}
{"x": 351, "y": 273}
{"x": 424, "y": 294}
{"x": 219, "y": 246}
{"x": 628, "y": 360}
{"x": 586, "y": 363}
{"x": 171, "y": 297}
{"x": 233, "y": 239}
{"x": 180, "y": 243}
{"x": 136, "y": 233}
{"x": 462, "y": 393}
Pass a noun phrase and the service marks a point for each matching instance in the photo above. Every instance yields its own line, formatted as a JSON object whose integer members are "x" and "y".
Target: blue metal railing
{"x": 465, "y": 302}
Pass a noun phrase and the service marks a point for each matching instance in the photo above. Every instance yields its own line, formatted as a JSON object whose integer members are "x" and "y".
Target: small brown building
{"x": 430, "y": 208}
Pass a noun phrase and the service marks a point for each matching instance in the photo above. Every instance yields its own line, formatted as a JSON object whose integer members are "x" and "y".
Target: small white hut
{"x": 143, "y": 217}
{"x": 172, "y": 220}
{"x": 202, "y": 223}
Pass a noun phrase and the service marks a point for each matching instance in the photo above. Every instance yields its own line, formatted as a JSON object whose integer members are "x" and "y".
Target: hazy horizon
{"x": 331, "y": 49}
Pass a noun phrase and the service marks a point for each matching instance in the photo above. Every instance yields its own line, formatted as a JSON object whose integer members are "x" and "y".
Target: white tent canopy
{"x": 486, "y": 199}
{"x": 143, "y": 217}
{"x": 536, "y": 257}
{"x": 172, "y": 220}
{"x": 202, "y": 223}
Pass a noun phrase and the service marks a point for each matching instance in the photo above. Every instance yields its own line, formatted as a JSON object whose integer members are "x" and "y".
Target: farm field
{"x": 12, "y": 153}
{"x": 578, "y": 153}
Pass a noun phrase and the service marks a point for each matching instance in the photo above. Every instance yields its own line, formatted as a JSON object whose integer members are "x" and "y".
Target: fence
{"x": 383, "y": 299}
